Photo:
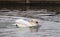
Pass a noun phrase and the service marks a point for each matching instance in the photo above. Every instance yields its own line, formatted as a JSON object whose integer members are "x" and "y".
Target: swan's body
{"x": 24, "y": 23}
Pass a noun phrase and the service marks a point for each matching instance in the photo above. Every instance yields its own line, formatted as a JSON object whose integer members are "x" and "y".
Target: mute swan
{"x": 24, "y": 23}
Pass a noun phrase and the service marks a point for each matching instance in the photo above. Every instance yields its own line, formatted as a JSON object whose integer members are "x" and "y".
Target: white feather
{"x": 24, "y": 23}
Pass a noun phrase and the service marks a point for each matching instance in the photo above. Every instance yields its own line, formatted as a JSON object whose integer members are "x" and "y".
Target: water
{"x": 48, "y": 26}
{"x": 8, "y": 29}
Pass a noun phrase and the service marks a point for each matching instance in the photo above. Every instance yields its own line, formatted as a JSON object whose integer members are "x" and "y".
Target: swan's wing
{"x": 22, "y": 22}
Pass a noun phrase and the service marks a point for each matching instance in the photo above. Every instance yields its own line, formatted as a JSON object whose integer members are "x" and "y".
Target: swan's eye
{"x": 36, "y": 22}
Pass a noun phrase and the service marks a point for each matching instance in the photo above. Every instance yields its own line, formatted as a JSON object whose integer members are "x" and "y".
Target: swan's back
{"x": 25, "y": 23}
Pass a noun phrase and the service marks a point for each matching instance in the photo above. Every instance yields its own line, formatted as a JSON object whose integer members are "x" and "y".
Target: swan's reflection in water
{"x": 34, "y": 28}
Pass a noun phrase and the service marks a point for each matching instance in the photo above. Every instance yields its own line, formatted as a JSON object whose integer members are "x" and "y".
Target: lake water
{"x": 49, "y": 26}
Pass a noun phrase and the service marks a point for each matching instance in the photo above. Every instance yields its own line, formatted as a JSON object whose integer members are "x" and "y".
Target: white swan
{"x": 24, "y": 23}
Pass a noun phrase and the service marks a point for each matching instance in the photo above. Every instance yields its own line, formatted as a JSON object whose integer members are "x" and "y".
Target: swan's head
{"x": 34, "y": 21}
